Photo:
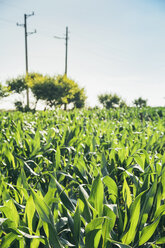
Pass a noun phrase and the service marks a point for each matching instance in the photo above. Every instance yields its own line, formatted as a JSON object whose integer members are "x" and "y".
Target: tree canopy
{"x": 111, "y": 101}
{"x": 140, "y": 102}
{"x": 3, "y": 91}
{"x": 17, "y": 85}
{"x": 55, "y": 91}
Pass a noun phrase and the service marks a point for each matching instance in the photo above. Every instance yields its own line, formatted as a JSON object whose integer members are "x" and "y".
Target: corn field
{"x": 90, "y": 178}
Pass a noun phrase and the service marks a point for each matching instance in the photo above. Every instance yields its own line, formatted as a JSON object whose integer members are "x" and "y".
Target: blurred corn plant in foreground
{"x": 94, "y": 178}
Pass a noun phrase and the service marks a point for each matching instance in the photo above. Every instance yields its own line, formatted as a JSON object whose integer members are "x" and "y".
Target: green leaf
{"x": 147, "y": 203}
{"x": 84, "y": 198}
{"x": 111, "y": 185}
{"x": 10, "y": 211}
{"x": 21, "y": 243}
{"x": 30, "y": 169}
{"x": 80, "y": 173}
{"x": 129, "y": 236}
{"x": 139, "y": 160}
{"x": 36, "y": 242}
{"x": 120, "y": 245}
{"x": 53, "y": 237}
{"x": 150, "y": 141}
{"x": 97, "y": 195}
{"x": 108, "y": 211}
{"x": 47, "y": 217}
{"x": 66, "y": 243}
{"x": 106, "y": 228}
{"x": 163, "y": 183}
{"x": 8, "y": 239}
{"x": 104, "y": 165}
{"x": 155, "y": 246}
{"x": 160, "y": 241}
{"x": 36, "y": 143}
{"x": 57, "y": 157}
{"x": 10, "y": 158}
{"x": 148, "y": 231}
{"x": 94, "y": 224}
{"x": 92, "y": 238}
{"x": 64, "y": 198}
{"x": 137, "y": 167}
{"x": 26, "y": 235}
{"x": 127, "y": 193}
{"x": 7, "y": 224}
{"x": 159, "y": 211}
{"x": 77, "y": 225}
{"x": 42, "y": 208}
{"x": 51, "y": 191}
{"x": 70, "y": 222}
{"x": 29, "y": 213}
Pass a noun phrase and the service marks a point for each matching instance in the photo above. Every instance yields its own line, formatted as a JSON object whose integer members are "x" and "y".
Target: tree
{"x": 58, "y": 91}
{"x": 140, "y": 102}
{"x": 17, "y": 85}
{"x": 70, "y": 92}
{"x": 79, "y": 99}
{"x": 111, "y": 101}
{"x": 45, "y": 88}
{"x": 55, "y": 91}
{"x": 3, "y": 91}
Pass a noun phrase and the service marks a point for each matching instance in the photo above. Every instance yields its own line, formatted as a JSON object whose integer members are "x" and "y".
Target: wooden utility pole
{"x": 66, "y": 38}
{"x": 66, "y": 51}
{"x": 26, "y": 50}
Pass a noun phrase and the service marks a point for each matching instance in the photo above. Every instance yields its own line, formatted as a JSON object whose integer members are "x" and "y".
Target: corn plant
{"x": 91, "y": 178}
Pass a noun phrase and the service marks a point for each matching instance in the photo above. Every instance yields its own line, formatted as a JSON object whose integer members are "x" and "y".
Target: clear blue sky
{"x": 115, "y": 46}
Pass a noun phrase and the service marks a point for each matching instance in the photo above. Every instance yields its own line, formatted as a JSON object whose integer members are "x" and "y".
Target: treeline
{"x": 58, "y": 91}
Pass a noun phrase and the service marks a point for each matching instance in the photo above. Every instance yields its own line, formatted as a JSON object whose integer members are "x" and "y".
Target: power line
{"x": 11, "y": 5}
{"x": 6, "y": 20}
{"x": 26, "y": 48}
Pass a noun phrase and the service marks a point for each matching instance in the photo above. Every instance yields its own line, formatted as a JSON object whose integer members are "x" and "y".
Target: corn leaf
{"x": 111, "y": 185}
{"x": 127, "y": 193}
{"x": 97, "y": 195}
{"x": 148, "y": 231}
{"x": 64, "y": 198}
{"x": 46, "y": 216}
{"x": 8, "y": 239}
{"x": 77, "y": 225}
{"x": 129, "y": 236}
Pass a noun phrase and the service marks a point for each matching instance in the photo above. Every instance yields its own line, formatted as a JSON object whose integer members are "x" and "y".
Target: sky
{"x": 115, "y": 46}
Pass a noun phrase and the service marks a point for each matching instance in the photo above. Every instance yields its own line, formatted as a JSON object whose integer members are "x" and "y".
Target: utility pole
{"x": 66, "y": 49}
{"x": 26, "y": 49}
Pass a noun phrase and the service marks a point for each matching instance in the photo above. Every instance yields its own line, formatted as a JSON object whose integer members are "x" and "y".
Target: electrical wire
{"x": 10, "y": 5}
{"x": 7, "y": 21}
